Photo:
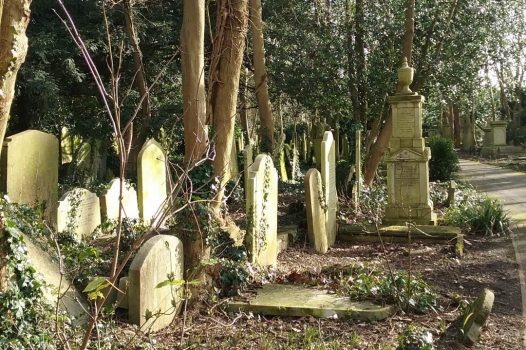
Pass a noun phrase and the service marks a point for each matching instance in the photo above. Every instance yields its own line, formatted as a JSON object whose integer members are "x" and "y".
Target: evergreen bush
{"x": 444, "y": 159}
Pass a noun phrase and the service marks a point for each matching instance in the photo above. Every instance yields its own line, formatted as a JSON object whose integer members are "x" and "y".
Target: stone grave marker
{"x": 475, "y": 317}
{"x": 408, "y": 159}
{"x": 328, "y": 176}
{"x": 498, "y": 130}
{"x": 151, "y": 180}
{"x": 158, "y": 260}
{"x": 262, "y": 211}
{"x": 78, "y": 213}
{"x": 29, "y": 171}
{"x": 233, "y": 168}
{"x": 316, "y": 211}
{"x": 110, "y": 201}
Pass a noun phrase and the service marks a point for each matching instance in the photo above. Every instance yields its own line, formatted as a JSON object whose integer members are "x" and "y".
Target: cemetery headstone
{"x": 262, "y": 211}
{"x": 315, "y": 201}
{"x": 408, "y": 159}
{"x": 110, "y": 201}
{"x": 233, "y": 167}
{"x": 78, "y": 213}
{"x": 328, "y": 176}
{"x": 498, "y": 131}
{"x": 29, "y": 171}
{"x": 475, "y": 317}
{"x": 159, "y": 260}
{"x": 151, "y": 180}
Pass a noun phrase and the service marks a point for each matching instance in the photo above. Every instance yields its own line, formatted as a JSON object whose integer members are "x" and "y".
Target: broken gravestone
{"x": 475, "y": 318}
{"x": 151, "y": 180}
{"x": 315, "y": 201}
{"x": 110, "y": 201}
{"x": 29, "y": 171}
{"x": 328, "y": 176}
{"x": 78, "y": 213}
{"x": 155, "y": 282}
{"x": 262, "y": 211}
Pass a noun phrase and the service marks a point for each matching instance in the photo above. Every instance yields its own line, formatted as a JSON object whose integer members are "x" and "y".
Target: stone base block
{"x": 500, "y": 151}
{"x": 398, "y": 215}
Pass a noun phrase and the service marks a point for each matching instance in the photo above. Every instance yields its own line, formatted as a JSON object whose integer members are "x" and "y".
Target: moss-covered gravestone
{"x": 315, "y": 202}
{"x": 151, "y": 180}
{"x": 29, "y": 171}
{"x": 110, "y": 201}
{"x": 262, "y": 211}
{"x": 475, "y": 317}
{"x": 328, "y": 177}
{"x": 153, "y": 301}
{"x": 78, "y": 213}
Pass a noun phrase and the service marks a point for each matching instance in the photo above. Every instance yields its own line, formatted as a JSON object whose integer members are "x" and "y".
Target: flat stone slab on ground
{"x": 299, "y": 301}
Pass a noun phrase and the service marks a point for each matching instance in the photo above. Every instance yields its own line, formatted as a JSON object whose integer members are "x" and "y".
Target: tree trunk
{"x": 192, "y": 67}
{"x": 456, "y": 126}
{"x": 141, "y": 124}
{"x": 226, "y": 60}
{"x": 260, "y": 77}
{"x": 14, "y": 18}
{"x": 243, "y": 114}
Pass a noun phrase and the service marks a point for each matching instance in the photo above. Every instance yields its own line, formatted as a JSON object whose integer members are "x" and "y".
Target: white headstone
{"x": 328, "y": 177}
{"x": 160, "y": 259}
{"x": 316, "y": 210}
{"x": 29, "y": 171}
{"x": 78, "y": 212}
{"x": 151, "y": 180}
{"x": 262, "y": 211}
{"x": 110, "y": 201}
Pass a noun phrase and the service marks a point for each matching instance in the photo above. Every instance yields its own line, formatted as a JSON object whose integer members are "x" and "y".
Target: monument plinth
{"x": 408, "y": 158}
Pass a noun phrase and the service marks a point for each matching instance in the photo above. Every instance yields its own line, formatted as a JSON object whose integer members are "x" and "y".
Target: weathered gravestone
{"x": 78, "y": 213}
{"x": 110, "y": 201}
{"x": 29, "y": 171}
{"x": 233, "y": 168}
{"x": 159, "y": 260}
{"x": 328, "y": 177}
{"x": 315, "y": 201}
{"x": 262, "y": 211}
{"x": 475, "y": 317}
{"x": 408, "y": 159}
{"x": 151, "y": 180}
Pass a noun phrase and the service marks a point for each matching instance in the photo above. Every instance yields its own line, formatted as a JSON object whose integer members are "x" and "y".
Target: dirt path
{"x": 510, "y": 187}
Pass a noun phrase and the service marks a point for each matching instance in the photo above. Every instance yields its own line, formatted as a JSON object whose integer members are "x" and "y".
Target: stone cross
{"x": 408, "y": 159}
{"x": 262, "y": 211}
{"x": 328, "y": 176}
{"x": 151, "y": 180}
{"x": 29, "y": 171}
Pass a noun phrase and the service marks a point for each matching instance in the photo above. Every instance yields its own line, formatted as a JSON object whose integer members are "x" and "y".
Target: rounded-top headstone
{"x": 475, "y": 317}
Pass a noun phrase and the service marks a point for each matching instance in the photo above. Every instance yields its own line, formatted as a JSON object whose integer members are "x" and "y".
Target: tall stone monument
{"x": 408, "y": 158}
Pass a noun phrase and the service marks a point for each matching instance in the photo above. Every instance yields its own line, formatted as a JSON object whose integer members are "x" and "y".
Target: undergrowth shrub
{"x": 415, "y": 338}
{"x": 444, "y": 159}
{"x": 479, "y": 215}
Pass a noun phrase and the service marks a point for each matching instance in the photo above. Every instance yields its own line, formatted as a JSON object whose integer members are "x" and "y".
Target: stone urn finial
{"x": 405, "y": 78}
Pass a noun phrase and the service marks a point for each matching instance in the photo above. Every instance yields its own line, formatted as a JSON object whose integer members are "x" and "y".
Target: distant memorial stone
{"x": 475, "y": 317}
{"x": 151, "y": 179}
{"x": 262, "y": 211}
{"x": 498, "y": 130}
{"x": 315, "y": 201}
{"x": 78, "y": 213}
{"x": 29, "y": 171}
{"x": 110, "y": 201}
{"x": 158, "y": 260}
{"x": 408, "y": 159}
{"x": 328, "y": 177}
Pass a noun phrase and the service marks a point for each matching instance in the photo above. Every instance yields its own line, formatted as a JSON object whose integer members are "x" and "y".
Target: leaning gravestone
{"x": 160, "y": 259}
{"x": 475, "y": 317}
{"x": 316, "y": 211}
{"x": 78, "y": 213}
{"x": 29, "y": 171}
{"x": 328, "y": 176}
{"x": 262, "y": 211}
{"x": 110, "y": 201}
{"x": 151, "y": 179}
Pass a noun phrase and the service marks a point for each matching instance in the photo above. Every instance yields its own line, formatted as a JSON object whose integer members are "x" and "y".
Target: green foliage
{"x": 26, "y": 317}
{"x": 479, "y": 215}
{"x": 444, "y": 159}
{"x": 415, "y": 338}
{"x": 343, "y": 169}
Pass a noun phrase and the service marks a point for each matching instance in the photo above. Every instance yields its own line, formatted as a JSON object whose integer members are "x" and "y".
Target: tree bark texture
{"x": 194, "y": 96}
{"x": 225, "y": 68}
{"x": 14, "y": 18}
{"x": 260, "y": 77}
{"x": 141, "y": 124}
